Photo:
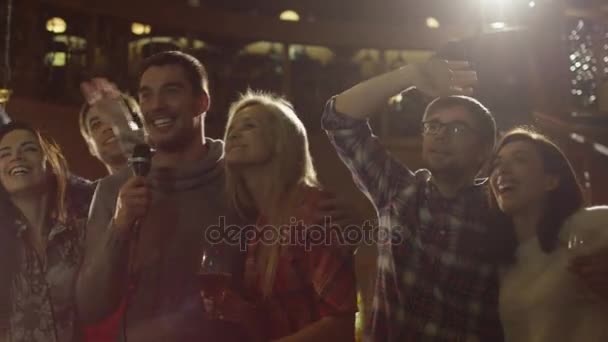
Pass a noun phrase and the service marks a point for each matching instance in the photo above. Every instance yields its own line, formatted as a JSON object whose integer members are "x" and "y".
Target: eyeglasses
{"x": 454, "y": 128}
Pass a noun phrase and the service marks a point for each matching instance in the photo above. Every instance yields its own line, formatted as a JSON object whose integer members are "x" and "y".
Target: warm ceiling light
{"x": 56, "y": 25}
{"x": 57, "y": 59}
{"x": 494, "y": 3}
{"x": 499, "y": 25}
{"x": 290, "y": 15}
{"x": 432, "y": 22}
{"x": 532, "y": 4}
{"x": 140, "y": 29}
{"x": 396, "y": 99}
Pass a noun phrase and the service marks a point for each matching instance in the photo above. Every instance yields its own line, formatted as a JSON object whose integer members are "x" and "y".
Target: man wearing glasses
{"x": 434, "y": 282}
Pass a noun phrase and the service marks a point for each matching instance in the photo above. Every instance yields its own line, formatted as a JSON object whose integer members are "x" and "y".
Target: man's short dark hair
{"x": 481, "y": 114}
{"x": 130, "y": 103}
{"x": 193, "y": 68}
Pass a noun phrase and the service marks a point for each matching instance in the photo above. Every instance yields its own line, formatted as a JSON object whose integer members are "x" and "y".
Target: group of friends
{"x": 512, "y": 256}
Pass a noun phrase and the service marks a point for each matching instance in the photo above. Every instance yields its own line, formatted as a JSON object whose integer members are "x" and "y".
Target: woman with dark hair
{"x": 541, "y": 208}
{"x": 41, "y": 239}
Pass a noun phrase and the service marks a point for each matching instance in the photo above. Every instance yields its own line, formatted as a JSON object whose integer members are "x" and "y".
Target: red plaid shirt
{"x": 434, "y": 281}
{"x": 309, "y": 285}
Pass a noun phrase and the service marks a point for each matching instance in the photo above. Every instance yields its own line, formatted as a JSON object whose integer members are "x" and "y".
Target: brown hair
{"x": 481, "y": 114}
{"x": 561, "y": 202}
{"x": 58, "y": 167}
{"x": 130, "y": 103}
{"x": 9, "y": 214}
{"x": 193, "y": 68}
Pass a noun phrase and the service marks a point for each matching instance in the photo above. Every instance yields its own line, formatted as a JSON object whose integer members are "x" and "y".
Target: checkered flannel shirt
{"x": 434, "y": 281}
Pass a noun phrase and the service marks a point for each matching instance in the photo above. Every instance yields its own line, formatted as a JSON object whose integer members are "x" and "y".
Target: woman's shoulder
{"x": 79, "y": 193}
{"x": 308, "y": 202}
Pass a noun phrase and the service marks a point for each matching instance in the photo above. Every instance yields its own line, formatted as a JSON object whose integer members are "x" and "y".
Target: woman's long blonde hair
{"x": 289, "y": 170}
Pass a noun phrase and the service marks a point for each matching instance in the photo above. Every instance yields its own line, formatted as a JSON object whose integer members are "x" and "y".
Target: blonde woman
{"x": 293, "y": 293}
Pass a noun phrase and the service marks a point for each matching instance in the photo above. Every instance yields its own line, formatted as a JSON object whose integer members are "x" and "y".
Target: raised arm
{"x": 376, "y": 173}
{"x": 435, "y": 78}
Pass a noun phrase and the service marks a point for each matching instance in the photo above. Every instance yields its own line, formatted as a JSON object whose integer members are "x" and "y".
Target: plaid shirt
{"x": 433, "y": 282}
{"x": 308, "y": 286}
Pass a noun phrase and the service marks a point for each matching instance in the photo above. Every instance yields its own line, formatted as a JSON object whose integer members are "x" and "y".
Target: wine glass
{"x": 576, "y": 243}
{"x": 579, "y": 244}
{"x": 214, "y": 276}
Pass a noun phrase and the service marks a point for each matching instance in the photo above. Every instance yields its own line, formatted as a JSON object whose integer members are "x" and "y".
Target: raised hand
{"x": 98, "y": 89}
{"x": 439, "y": 77}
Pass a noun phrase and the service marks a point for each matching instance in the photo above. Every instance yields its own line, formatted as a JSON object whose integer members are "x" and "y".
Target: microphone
{"x": 140, "y": 161}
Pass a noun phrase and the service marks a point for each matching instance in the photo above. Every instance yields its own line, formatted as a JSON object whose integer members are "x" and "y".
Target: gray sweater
{"x": 166, "y": 304}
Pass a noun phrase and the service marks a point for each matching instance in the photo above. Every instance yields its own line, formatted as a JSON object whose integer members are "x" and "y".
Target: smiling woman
{"x": 23, "y": 163}
{"x": 546, "y": 292}
{"x": 291, "y": 293}
{"x": 40, "y": 245}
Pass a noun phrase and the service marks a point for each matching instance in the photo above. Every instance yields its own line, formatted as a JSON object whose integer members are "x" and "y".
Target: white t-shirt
{"x": 541, "y": 301}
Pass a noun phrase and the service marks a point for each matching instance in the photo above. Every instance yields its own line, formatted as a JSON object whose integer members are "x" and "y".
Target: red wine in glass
{"x": 214, "y": 277}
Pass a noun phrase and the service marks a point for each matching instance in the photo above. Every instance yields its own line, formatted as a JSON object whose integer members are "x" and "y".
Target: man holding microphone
{"x": 171, "y": 208}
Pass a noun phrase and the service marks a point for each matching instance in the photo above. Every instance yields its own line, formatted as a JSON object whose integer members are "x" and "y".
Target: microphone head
{"x": 140, "y": 161}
